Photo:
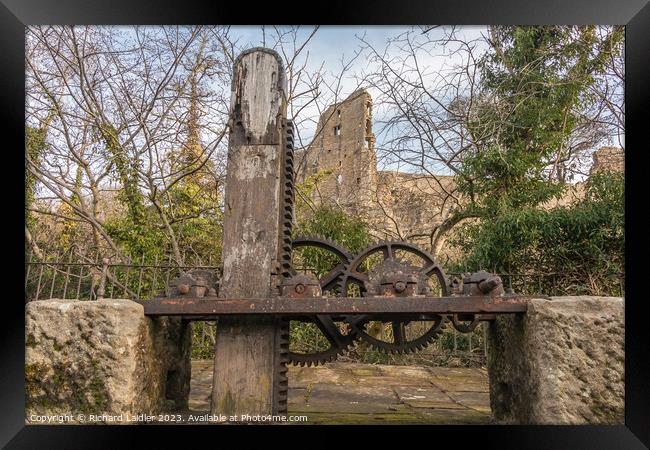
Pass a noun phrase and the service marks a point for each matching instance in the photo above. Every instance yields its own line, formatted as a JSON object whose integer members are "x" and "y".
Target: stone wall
{"x": 608, "y": 159}
{"x": 408, "y": 206}
{"x": 561, "y": 363}
{"x": 104, "y": 357}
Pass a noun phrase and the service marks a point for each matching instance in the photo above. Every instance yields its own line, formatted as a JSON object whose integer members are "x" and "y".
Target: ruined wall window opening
{"x": 338, "y": 113}
{"x": 368, "y": 126}
{"x": 337, "y": 130}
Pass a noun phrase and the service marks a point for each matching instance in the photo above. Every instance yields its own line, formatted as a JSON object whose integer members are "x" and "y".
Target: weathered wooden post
{"x": 249, "y": 371}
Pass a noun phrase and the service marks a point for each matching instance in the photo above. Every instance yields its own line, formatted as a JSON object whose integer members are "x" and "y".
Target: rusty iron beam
{"x": 212, "y": 318}
{"x": 215, "y": 306}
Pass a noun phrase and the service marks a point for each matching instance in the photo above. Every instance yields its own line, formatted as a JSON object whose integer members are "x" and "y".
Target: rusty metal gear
{"x": 338, "y": 341}
{"x": 281, "y": 385}
{"x": 401, "y": 343}
{"x": 401, "y": 275}
{"x": 331, "y": 280}
{"x": 464, "y": 323}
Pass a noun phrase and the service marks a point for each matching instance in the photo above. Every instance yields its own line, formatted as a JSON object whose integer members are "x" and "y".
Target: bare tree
{"x": 124, "y": 99}
{"x": 427, "y": 80}
{"x": 136, "y": 113}
{"x": 428, "y": 116}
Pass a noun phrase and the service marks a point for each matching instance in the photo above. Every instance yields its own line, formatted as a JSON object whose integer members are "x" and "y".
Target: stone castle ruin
{"x": 608, "y": 159}
{"x": 396, "y": 205}
{"x": 345, "y": 146}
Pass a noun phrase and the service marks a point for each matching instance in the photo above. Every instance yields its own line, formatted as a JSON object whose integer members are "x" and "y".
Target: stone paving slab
{"x": 453, "y": 417}
{"x": 460, "y": 385}
{"x": 201, "y": 385}
{"x": 479, "y": 401}
{"x": 328, "y": 398}
{"x": 426, "y": 397}
{"x": 409, "y": 372}
{"x": 342, "y": 393}
{"x": 304, "y": 376}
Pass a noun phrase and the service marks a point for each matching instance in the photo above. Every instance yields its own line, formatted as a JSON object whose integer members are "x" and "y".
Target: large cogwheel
{"x": 408, "y": 333}
{"x": 330, "y": 336}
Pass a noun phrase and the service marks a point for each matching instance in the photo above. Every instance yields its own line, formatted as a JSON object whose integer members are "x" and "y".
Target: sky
{"x": 331, "y": 44}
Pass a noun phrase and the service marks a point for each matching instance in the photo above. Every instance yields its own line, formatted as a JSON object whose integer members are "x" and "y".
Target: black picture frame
{"x": 634, "y": 14}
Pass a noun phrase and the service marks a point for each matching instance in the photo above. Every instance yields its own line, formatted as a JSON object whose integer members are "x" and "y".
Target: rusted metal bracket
{"x": 288, "y": 306}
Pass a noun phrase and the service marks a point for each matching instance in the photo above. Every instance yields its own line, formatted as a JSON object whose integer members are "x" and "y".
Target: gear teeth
{"x": 330, "y": 354}
{"x": 319, "y": 358}
{"x": 281, "y": 386}
{"x": 320, "y": 241}
{"x": 417, "y": 344}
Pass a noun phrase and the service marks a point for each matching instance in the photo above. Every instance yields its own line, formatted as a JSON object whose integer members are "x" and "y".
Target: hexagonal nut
{"x": 183, "y": 288}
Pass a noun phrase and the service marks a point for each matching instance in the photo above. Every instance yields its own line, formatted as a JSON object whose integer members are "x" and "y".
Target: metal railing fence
{"x": 85, "y": 277}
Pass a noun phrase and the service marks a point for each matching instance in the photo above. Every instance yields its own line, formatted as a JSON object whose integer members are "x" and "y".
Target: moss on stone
{"x": 58, "y": 376}
{"x": 30, "y": 341}
{"x": 34, "y": 375}
{"x": 98, "y": 391}
{"x": 81, "y": 396}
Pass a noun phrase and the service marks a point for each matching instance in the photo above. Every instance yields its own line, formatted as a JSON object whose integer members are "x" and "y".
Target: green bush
{"x": 202, "y": 343}
{"x": 573, "y": 250}
{"x": 336, "y": 225}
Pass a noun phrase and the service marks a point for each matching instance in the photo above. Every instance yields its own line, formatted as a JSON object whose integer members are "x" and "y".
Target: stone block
{"x": 104, "y": 358}
{"x": 561, "y": 363}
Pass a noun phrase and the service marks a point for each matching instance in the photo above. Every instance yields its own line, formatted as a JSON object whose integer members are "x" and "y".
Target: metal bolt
{"x": 400, "y": 286}
{"x": 183, "y": 288}
{"x": 300, "y": 288}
